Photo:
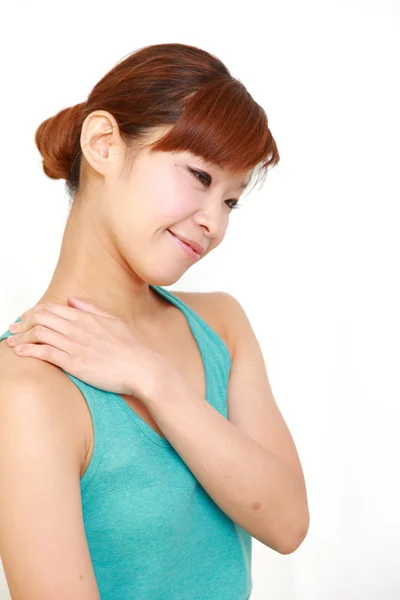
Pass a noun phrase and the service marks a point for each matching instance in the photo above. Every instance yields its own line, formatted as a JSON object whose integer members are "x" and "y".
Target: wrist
{"x": 158, "y": 371}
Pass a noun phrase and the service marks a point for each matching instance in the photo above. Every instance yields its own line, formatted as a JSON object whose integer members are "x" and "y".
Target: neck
{"x": 90, "y": 268}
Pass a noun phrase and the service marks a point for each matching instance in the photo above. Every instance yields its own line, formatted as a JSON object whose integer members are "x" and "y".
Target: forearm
{"x": 251, "y": 485}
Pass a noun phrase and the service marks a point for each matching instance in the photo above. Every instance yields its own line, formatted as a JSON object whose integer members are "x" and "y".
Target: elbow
{"x": 294, "y": 541}
{"x": 297, "y": 526}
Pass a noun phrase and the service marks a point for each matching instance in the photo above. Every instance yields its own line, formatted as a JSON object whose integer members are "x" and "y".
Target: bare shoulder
{"x": 41, "y": 516}
{"x": 27, "y": 370}
{"x": 53, "y": 389}
{"x": 220, "y": 310}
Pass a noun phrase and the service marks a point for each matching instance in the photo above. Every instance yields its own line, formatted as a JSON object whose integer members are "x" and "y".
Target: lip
{"x": 196, "y": 247}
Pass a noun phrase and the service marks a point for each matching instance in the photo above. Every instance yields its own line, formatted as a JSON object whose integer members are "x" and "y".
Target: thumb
{"x": 86, "y": 306}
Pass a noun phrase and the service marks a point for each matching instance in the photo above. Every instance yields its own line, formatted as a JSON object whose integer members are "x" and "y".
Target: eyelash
{"x": 199, "y": 174}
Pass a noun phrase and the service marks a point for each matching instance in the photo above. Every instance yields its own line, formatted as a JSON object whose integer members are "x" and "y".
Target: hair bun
{"x": 56, "y": 139}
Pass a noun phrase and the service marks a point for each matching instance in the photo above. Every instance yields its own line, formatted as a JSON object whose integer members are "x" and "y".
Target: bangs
{"x": 223, "y": 124}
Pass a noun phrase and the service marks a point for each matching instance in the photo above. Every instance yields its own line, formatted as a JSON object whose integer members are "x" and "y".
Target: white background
{"x": 313, "y": 257}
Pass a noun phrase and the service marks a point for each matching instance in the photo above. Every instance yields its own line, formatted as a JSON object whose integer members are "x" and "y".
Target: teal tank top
{"x": 153, "y": 531}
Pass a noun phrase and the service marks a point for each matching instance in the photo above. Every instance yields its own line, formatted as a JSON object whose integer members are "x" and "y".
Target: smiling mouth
{"x": 197, "y": 248}
{"x": 187, "y": 248}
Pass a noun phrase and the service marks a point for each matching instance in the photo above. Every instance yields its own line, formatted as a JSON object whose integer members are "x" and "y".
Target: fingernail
{"x": 12, "y": 327}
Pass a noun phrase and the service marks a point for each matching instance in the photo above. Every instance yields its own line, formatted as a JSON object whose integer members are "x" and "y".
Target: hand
{"x": 90, "y": 344}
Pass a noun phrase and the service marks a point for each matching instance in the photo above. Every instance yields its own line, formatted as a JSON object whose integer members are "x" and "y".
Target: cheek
{"x": 219, "y": 240}
{"x": 176, "y": 198}
{"x": 224, "y": 227}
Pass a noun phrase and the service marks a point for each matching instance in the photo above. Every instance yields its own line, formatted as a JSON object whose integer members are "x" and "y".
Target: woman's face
{"x": 163, "y": 195}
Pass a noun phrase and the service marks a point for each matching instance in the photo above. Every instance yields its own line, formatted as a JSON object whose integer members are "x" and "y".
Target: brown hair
{"x": 213, "y": 114}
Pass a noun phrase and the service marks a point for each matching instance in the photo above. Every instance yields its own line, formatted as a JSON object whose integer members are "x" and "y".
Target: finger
{"x": 88, "y": 307}
{"x": 23, "y": 316}
{"x": 39, "y": 334}
{"x": 47, "y": 353}
{"x": 62, "y": 310}
{"x": 42, "y": 316}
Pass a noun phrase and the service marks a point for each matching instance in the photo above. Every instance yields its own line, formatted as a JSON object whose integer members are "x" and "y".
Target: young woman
{"x": 141, "y": 447}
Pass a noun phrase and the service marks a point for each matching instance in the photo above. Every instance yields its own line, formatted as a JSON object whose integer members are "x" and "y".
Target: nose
{"x": 212, "y": 220}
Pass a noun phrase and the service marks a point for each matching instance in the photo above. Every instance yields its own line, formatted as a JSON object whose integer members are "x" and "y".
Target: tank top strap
{"x": 200, "y": 328}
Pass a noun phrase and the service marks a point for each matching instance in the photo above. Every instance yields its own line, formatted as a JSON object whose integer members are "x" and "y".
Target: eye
{"x": 204, "y": 178}
{"x": 235, "y": 205}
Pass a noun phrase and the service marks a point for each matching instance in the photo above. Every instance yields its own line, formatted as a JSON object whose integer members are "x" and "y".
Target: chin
{"x": 161, "y": 268}
{"x": 164, "y": 278}
{"x": 162, "y": 281}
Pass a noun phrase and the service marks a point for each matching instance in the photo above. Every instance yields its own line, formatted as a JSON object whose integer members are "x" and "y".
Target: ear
{"x": 100, "y": 132}
{"x": 86, "y": 306}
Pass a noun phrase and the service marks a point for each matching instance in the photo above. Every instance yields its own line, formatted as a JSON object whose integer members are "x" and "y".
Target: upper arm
{"x": 251, "y": 404}
{"x": 43, "y": 544}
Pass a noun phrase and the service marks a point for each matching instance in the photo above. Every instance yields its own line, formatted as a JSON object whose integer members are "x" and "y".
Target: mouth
{"x": 191, "y": 248}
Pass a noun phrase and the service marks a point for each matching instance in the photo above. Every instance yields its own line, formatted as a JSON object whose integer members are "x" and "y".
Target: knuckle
{"x": 38, "y": 331}
{"x": 47, "y": 352}
{"x": 35, "y": 312}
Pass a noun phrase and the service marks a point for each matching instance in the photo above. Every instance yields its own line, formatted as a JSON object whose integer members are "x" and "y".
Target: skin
{"x": 116, "y": 241}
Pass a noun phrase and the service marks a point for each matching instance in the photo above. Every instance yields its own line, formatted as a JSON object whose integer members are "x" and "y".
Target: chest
{"x": 176, "y": 342}
{"x": 180, "y": 348}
